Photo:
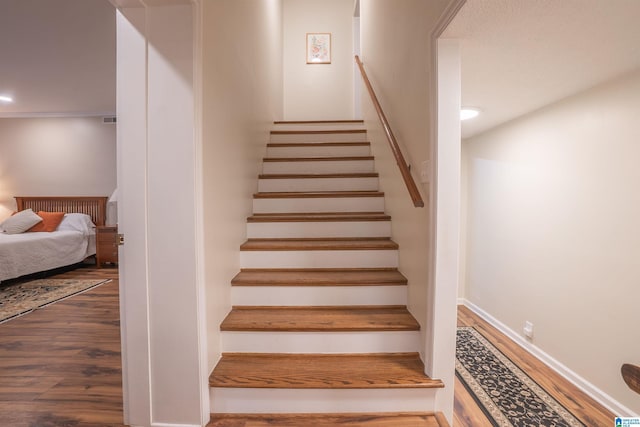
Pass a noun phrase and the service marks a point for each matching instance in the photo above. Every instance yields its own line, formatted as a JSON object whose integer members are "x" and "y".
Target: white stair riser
{"x": 320, "y": 259}
{"x": 319, "y": 229}
{"x": 319, "y": 151}
{"x": 321, "y": 342}
{"x": 318, "y": 295}
{"x": 324, "y": 166}
{"x": 320, "y": 204}
{"x": 268, "y": 400}
{"x": 317, "y": 184}
{"x": 319, "y": 137}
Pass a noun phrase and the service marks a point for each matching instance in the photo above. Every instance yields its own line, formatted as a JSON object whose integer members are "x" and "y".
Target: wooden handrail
{"x": 395, "y": 148}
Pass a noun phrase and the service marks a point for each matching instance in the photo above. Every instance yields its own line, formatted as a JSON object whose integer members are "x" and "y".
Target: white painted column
{"x": 164, "y": 352}
{"x": 447, "y": 224}
{"x": 132, "y": 212}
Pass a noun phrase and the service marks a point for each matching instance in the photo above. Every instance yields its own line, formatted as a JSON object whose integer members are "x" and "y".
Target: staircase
{"x": 319, "y": 323}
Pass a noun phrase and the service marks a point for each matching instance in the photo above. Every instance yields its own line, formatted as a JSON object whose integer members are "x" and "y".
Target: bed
{"x": 71, "y": 243}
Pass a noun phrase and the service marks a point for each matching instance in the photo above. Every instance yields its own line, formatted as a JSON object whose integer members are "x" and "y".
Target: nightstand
{"x": 106, "y": 245}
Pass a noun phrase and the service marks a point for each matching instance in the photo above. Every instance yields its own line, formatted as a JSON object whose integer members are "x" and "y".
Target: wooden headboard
{"x": 95, "y": 207}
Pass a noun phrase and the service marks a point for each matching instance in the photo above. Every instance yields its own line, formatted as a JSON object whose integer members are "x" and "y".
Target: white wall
{"x": 400, "y": 77}
{"x": 554, "y": 231}
{"x": 318, "y": 91}
{"x": 241, "y": 98}
{"x": 55, "y": 157}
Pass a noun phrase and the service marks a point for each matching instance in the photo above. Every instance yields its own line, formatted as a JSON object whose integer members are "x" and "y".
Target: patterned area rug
{"x": 20, "y": 298}
{"x": 507, "y": 395}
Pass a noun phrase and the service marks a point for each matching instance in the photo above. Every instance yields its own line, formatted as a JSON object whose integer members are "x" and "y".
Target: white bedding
{"x": 28, "y": 253}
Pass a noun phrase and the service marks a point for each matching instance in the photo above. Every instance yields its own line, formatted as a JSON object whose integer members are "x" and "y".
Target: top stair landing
{"x": 318, "y": 131}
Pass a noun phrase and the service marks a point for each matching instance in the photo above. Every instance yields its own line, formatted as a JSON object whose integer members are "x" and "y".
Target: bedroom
{"x": 59, "y": 72}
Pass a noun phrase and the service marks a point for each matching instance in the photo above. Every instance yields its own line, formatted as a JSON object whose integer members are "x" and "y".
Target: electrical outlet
{"x": 528, "y": 329}
{"x": 424, "y": 172}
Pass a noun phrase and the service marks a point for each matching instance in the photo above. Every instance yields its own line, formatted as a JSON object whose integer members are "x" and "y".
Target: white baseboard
{"x": 594, "y": 392}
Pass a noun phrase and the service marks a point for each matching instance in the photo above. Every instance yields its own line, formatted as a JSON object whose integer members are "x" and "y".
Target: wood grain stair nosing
{"x": 354, "y": 318}
{"x": 321, "y": 371}
{"x": 319, "y": 307}
{"x": 335, "y": 239}
{"x": 327, "y": 214}
{"x": 319, "y": 277}
{"x": 319, "y": 175}
{"x": 318, "y": 217}
{"x": 311, "y": 122}
{"x": 318, "y": 159}
{"x": 318, "y": 144}
{"x": 320, "y": 270}
{"x": 316, "y": 132}
{"x": 315, "y": 194}
{"x": 319, "y": 244}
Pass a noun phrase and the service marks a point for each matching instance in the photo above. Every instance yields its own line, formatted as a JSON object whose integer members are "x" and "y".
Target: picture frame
{"x": 318, "y": 48}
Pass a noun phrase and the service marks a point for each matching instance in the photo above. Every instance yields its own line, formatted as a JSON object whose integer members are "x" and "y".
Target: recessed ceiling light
{"x": 5, "y": 98}
{"x": 467, "y": 113}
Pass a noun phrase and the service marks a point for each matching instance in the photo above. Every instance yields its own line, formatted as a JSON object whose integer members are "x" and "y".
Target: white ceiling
{"x": 57, "y": 57}
{"x": 520, "y": 55}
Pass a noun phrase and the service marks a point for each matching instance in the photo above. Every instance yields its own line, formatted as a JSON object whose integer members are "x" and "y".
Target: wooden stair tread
{"x": 319, "y": 277}
{"x": 320, "y": 319}
{"x": 321, "y": 371}
{"x": 309, "y": 122}
{"x": 318, "y": 159}
{"x": 317, "y": 175}
{"x": 319, "y": 144}
{"x": 315, "y": 194}
{"x": 319, "y": 217}
{"x": 313, "y": 244}
{"x": 371, "y": 419}
{"x": 316, "y": 132}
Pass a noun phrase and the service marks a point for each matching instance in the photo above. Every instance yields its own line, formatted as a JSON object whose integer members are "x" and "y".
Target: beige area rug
{"x": 20, "y": 298}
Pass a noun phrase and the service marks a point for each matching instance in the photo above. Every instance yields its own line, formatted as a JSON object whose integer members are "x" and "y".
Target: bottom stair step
{"x": 321, "y": 371}
{"x": 417, "y": 419}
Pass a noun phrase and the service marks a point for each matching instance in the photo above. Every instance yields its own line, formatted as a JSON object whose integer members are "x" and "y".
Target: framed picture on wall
{"x": 318, "y": 48}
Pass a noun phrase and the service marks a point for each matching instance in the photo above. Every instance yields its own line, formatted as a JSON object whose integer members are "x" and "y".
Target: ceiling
{"x": 57, "y": 57}
{"x": 520, "y": 55}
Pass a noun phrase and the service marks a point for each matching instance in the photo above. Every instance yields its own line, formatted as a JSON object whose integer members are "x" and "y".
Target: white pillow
{"x": 20, "y": 222}
{"x": 77, "y": 222}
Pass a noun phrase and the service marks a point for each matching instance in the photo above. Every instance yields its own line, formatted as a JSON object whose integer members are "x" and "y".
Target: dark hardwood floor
{"x": 60, "y": 367}
{"x": 330, "y": 420}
